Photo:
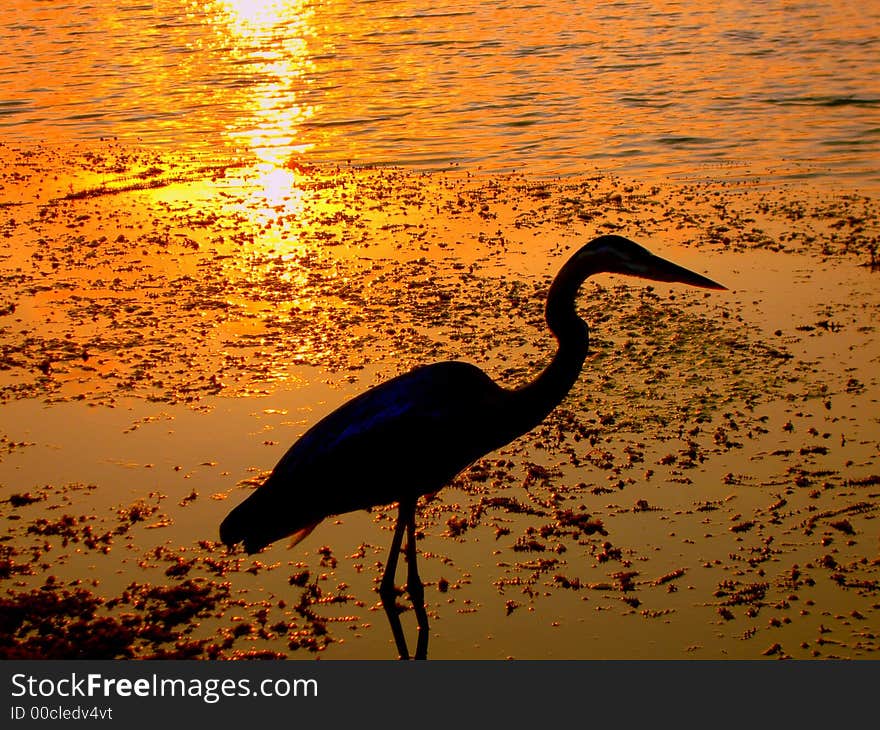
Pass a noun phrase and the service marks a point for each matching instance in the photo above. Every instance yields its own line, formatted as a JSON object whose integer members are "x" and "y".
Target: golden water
{"x": 185, "y": 335}
{"x": 551, "y": 87}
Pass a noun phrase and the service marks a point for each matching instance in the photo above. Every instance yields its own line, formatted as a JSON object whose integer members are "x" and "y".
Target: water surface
{"x": 653, "y": 88}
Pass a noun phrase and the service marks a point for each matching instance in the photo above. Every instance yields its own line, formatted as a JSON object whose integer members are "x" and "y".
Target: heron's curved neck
{"x": 534, "y": 401}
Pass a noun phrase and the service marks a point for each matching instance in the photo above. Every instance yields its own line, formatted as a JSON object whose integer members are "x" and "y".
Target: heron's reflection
{"x": 414, "y": 586}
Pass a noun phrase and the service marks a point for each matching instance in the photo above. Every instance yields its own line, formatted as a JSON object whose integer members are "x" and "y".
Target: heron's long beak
{"x": 660, "y": 269}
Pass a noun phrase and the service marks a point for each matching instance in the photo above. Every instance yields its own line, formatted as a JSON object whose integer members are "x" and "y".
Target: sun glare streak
{"x": 260, "y": 14}
{"x": 279, "y": 187}
{"x": 271, "y": 43}
{"x": 272, "y": 39}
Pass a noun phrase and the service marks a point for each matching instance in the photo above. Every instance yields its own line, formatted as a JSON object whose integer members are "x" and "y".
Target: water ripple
{"x": 553, "y": 86}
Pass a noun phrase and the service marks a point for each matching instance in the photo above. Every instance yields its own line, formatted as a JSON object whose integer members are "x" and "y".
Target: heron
{"x": 411, "y": 435}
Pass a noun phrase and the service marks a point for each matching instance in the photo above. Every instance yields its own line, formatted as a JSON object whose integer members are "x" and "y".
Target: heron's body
{"x": 343, "y": 464}
{"x": 412, "y": 434}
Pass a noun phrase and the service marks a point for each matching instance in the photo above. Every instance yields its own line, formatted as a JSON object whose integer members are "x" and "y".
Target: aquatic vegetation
{"x": 715, "y": 466}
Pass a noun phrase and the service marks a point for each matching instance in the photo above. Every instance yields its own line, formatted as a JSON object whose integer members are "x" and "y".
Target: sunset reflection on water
{"x": 270, "y": 37}
{"x": 656, "y": 88}
{"x": 181, "y": 303}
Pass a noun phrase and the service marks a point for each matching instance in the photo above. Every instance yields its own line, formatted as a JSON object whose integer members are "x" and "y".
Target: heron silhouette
{"x": 411, "y": 435}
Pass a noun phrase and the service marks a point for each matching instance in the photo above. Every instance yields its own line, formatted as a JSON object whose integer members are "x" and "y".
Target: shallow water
{"x": 688, "y": 560}
{"x": 169, "y": 324}
{"x": 160, "y": 348}
{"x": 651, "y": 88}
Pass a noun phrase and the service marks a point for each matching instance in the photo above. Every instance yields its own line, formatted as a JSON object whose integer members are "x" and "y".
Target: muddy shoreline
{"x": 169, "y": 325}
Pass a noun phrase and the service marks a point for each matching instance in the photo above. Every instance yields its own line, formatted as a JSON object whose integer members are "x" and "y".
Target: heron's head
{"x": 619, "y": 255}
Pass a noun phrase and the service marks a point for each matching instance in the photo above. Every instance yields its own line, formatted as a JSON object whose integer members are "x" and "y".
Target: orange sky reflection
{"x": 271, "y": 36}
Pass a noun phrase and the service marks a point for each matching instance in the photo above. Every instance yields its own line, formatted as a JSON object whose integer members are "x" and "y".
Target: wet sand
{"x": 168, "y": 326}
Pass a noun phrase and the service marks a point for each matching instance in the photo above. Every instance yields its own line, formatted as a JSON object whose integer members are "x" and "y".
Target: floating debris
{"x": 718, "y": 442}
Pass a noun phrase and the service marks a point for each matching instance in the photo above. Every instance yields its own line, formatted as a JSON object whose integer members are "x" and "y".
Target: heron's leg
{"x": 414, "y": 584}
{"x": 386, "y": 588}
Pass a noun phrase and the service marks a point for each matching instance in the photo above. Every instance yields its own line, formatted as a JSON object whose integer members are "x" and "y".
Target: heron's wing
{"x": 421, "y": 402}
{"x": 407, "y": 436}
